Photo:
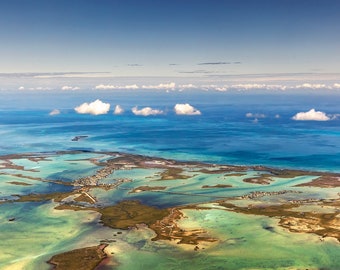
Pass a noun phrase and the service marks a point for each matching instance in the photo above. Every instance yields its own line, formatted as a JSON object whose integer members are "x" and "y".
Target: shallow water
{"x": 222, "y": 135}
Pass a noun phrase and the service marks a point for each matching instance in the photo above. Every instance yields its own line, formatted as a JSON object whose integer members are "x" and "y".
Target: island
{"x": 285, "y": 196}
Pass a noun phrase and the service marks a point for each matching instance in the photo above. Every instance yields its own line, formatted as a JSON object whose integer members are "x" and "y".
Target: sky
{"x": 206, "y": 41}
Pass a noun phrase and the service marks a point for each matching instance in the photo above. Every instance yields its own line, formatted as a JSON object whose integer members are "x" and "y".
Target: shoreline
{"x": 165, "y": 222}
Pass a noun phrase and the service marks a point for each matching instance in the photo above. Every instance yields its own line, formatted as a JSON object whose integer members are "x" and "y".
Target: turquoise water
{"x": 222, "y": 134}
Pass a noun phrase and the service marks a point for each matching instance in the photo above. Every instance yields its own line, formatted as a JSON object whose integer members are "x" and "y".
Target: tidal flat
{"x": 118, "y": 210}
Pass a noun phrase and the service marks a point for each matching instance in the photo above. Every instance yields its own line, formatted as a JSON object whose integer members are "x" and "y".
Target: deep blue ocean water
{"x": 221, "y": 134}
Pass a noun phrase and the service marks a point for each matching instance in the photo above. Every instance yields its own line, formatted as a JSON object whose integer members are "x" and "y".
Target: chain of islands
{"x": 111, "y": 210}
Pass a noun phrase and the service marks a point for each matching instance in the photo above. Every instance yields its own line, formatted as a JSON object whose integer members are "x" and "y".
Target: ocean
{"x": 235, "y": 128}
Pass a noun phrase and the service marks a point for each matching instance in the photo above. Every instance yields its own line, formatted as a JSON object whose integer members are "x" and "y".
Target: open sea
{"x": 221, "y": 134}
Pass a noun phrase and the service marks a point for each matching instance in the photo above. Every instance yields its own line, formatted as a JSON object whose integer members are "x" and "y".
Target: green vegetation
{"x": 86, "y": 258}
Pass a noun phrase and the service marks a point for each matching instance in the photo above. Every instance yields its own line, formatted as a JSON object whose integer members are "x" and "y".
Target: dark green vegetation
{"x": 217, "y": 186}
{"x": 87, "y": 258}
{"x": 127, "y": 214}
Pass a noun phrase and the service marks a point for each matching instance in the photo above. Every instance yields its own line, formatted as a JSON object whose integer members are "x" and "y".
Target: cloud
{"x": 312, "y": 86}
{"x": 105, "y": 86}
{"x": 336, "y": 85}
{"x": 170, "y": 85}
{"x": 244, "y": 87}
{"x": 68, "y": 75}
{"x": 135, "y": 65}
{"x": 115, "y": 87}
{"x": 54, "y": 112}
{"x": 146, "y": 111}
{"x": 254, "y": 86}
{"x": 214, "y": 63}
{"x": 96, "y": 107}
{"x": 40, "y": 88}
{"x": 199, "y": 71}
{"x": 186, "y": 109}
{"x": 187, "y": 86}
{"x": 66, "y": 87}
{"x": 118, "y": 110}
{"x": 130, "y": 86}
{"x": 255, "y": 115}
{"x": 311, "y": 115}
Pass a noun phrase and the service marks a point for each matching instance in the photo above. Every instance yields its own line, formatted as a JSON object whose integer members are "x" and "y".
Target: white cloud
{"x": 96, "y": 107}
{"x": 105, "y": 86}
{"x": 255, "y": 115}
{"x": 66, "y": 87}
{"x": 187, "y": 86}
{"x": 170, "y": 85}
{"x": 222, "y": 88}
{"x": 118, "y": 110}
{"x": 252, "y": 86}
{"x": 146, "y": 111}
{"x": 131, "y": 86}
{"x": 54, "y": 112}
{"x": 311, "y": 115}
{"x": 277, "y": 116}
{"x": 249, "y": 86}
{"x": 269, "y": 87}
{"x": 187, "y": 109}
{"x": 244, "y": 87}
{"x": 40, "y": 88}
{"x": 116, "y": 87}
{"x": 21, "y": 88}
{"x": 312, "y": 86}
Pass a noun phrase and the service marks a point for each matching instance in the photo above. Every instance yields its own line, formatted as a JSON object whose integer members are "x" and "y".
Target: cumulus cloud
{"x": 116, "y": 87}
{"x": 274, "y": 87}
{"x": 54, "y": 112}
{"x": 96, "y": 107}
{"x": 254, "y": 86}
{"x": 311, "y": 115}
{"x": 244, "y": 87}
{"x": 170, "y": 85}
{"x": 187, "y": 86}
{"x": 146, "y": 111}
{"x": 249, "y": 86}
{"x": 312, "y": 86}
{"x": 255, "y": 115}
{"x": 118, "y": 110}
{"x": 66, "y": 87}
{"x": 39, "y": 88}
{"x": 186, "y": 109}
{"x": 221, "y": 88}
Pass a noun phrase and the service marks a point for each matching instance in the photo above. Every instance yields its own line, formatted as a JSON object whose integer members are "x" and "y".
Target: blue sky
{"x": 187, "y": 38}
